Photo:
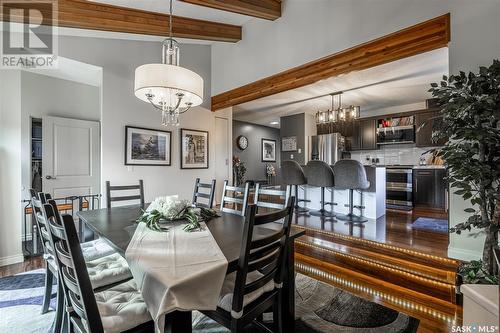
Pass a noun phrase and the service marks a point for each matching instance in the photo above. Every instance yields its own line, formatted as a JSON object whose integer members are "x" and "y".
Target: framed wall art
{"x": 146, "y": 146}
{"x": 268, "y": 150}
{"x": 194, "y": 149}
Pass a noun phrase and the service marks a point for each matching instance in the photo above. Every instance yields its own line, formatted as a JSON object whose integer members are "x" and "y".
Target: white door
{"x": 70, "y": 157}
{"x": 222, "y": 156}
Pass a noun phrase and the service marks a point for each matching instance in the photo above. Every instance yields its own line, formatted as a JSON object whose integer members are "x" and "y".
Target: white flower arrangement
{"x": 170, "y": 207}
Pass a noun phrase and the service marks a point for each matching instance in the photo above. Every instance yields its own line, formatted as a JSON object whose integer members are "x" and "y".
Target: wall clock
{"x": 242, "y": 142}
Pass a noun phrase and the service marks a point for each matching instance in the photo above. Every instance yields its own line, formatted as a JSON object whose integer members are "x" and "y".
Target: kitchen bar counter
{"x": 373, "y": 197}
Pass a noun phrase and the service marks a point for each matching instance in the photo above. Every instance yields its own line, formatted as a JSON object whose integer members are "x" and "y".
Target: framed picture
{"x": 268, "y": 150}
{"x": 289, "y": 143}
{"x": 145, "y": 146}
{"x": 194, "y": 149}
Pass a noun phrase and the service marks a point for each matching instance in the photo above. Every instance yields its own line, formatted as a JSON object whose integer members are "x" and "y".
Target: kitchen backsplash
{"x": 406, "y": 154}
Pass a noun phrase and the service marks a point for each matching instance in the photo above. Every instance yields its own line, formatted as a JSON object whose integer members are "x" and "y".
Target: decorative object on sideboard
{"x": 289, "y": 144}
{"x": 168, "y": 87}
{"x": 146, "y": 146}
{"x": 239, "y": 170}
{"x": 469, "y": 117}
{"x": 270, "y": 173}
{"x": 194, "y": 149}
{"x": 268, "y": 150}
{"x": 242, "y": 142}
{"x": 339, "y": 113}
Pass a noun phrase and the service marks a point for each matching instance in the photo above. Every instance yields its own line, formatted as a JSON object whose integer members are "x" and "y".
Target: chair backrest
{"x": 239, "y": 198}
{"x": 292, "y": 173}
{"x": 115, "y": 188}
{"x": 41, "y": 224}
{"x": 319, "y": 174}
{"x": 200, "y": 191}
{"x": 75, "y": 278}
{"x": 265, "y": 255}
{"x": 270, "y": 198}
{"x": 350, "y": 174}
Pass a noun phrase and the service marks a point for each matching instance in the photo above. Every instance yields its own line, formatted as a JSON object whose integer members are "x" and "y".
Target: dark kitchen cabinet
{"x": 429, "y": 188}
{"x": 423, "y": 136}
{"x": 363, "y": 134}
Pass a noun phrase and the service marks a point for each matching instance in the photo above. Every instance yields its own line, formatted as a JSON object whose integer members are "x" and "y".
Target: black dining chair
{"x": 200, "y": 191}
{"x": 110, "y": 189}
{"x": 270, "y": 198}
{"x": 256, "y": 285}
{"x": 235, "y": 196}
{"x": 117, "y": 309}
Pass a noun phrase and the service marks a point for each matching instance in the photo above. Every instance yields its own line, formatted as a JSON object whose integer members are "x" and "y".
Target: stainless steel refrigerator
{"x": 326, "y": 147}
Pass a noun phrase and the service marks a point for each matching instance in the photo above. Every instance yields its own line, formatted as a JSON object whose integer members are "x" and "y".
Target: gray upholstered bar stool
{"x": 350, "y": 175}
{"x": 320, "y": 174}
{"x": 293, "y": 174}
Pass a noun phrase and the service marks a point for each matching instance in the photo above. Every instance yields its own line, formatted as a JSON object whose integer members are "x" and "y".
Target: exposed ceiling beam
{"x": 420, "y": 38}
{"x": 84, "y": 14}
{"x": 265, "y": 9}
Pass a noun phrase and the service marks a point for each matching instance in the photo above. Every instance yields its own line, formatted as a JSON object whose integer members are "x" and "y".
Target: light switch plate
{"x": 299, "y": 151}
{"x": 291, "y": 156}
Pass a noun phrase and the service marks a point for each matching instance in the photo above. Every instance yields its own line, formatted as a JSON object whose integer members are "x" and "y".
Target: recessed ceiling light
{"x": 274, "y": 123}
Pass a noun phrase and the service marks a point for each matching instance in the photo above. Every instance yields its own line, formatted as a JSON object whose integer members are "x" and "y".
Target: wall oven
{"x": 399, "y": 187}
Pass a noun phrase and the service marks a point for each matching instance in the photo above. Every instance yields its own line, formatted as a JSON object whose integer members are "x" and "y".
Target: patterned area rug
{"x": 320, "y": 308}
{"x": 430, "y": 224}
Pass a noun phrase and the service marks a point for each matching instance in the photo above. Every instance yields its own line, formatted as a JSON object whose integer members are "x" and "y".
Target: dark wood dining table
{"x": 117, "y": 225}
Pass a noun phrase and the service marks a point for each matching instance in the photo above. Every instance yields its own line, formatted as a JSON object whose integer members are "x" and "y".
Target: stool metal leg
{"x": 299, "y": 209}
{"x": 322, "y": 212}
{"x": 351, "y": 217}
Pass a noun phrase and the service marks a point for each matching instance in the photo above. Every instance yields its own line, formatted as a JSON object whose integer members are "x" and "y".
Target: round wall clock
{"x": 242, "y": 142}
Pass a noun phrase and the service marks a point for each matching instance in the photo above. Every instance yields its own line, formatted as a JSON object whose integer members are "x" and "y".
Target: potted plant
{"x": 470, "y": 118}
{"x": 239, "y": 170}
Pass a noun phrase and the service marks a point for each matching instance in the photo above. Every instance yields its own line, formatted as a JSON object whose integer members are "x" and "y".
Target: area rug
{"x": 320, "y": 308}
{"x": 430, "y": 224}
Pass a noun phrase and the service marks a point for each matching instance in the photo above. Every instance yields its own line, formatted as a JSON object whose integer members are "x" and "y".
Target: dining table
{"x": 117, "y": 226}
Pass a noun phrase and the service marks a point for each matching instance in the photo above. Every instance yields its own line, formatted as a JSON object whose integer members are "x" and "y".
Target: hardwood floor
{"x": 386, "y": 262}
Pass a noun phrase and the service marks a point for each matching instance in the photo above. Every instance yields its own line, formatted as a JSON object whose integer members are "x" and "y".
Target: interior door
{"x": 70, "y": 156}
{"x": 221, "y": 155}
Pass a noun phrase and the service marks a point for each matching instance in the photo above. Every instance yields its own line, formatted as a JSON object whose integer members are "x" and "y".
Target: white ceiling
{"x": 182, "y": 9}
{"x": 387, "y": 88}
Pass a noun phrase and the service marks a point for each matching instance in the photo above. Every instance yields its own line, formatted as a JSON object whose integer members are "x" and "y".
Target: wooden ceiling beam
{"x": 420, "y": 38}
{"x": 265, "y": 9}
{"x": 84, "y": 14}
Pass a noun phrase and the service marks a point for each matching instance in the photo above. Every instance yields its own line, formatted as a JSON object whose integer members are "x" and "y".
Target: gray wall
{"x": 252, "y": 156}
{"x": 294, "y": 125}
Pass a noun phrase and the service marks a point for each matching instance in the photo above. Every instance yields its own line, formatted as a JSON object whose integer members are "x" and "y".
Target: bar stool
{"x": 293, "y": 174}
{"x": 320, "y": 174}
{"x": 350, "y": 175}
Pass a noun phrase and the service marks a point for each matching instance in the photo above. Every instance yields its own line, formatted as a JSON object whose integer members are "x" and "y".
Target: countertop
{"x": 413, "y": 167}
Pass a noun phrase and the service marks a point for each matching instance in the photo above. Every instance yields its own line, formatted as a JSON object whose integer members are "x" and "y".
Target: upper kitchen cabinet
{"x": 423, "y": 136}
{"x": 363, "y": 134}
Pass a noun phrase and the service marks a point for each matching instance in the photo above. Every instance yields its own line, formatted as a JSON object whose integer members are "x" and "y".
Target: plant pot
{"x": 480, "y": 307}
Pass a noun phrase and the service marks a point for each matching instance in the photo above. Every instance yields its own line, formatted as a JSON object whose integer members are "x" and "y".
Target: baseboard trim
{"x": 462, "y": 254}
{"x": 17, "y": 258}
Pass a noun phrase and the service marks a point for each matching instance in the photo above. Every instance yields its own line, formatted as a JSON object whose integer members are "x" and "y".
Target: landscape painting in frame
{"x": 194, "y": 149}
{"x": 144, "y": 146}
{"x": 268, "y": 150}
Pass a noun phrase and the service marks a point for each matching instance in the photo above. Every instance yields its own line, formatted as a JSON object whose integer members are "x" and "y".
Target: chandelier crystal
{"x": 167, "y": 86}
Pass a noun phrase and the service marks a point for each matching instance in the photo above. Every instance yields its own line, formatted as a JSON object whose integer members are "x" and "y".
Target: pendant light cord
{"x": 170, "y": 21}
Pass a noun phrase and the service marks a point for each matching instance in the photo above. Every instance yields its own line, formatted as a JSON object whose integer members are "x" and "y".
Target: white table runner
{"x": 176, "y": 270}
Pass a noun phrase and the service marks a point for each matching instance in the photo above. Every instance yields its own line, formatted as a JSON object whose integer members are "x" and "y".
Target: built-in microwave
{"x": 396, "y": 130}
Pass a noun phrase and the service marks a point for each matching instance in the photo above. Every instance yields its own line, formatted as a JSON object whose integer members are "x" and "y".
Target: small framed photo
{"x": 194, "y": 149}
{"x": 268, "y": 150}
{"x": 145, "y": 146}
{"x": 289, "y": 143}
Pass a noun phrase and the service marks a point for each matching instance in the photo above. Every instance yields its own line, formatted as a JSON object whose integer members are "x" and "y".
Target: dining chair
{"x": 256, "y": 285}
{"x": 198, "y": 193}
{"x": 120, "y": 308}
{"x": 128, "y": 197}
{"x": 270, "y": 199}
{"x": 239, "y": 198}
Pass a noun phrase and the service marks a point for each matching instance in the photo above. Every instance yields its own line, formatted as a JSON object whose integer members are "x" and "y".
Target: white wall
{"x": 311, "y": 29}
{"x": 10, "y": 167}
{"x": 118, "y": 59}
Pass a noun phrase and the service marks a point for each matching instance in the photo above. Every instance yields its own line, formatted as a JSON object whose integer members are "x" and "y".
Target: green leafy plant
{"x": 475, "y": 272}
{"x": 193, "y": 216}
{"x": 470, "y": 118}
{"x": 239, "y": 170}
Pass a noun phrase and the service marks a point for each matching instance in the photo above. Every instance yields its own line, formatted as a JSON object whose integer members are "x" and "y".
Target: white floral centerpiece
{"x": 171, "y": 208}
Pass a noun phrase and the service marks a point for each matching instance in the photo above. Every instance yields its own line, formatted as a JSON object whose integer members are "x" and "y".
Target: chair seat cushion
{"x": 226, "y": 296}
{"x": 95, "y": 249}
{"x": 122, "y": 308}
{"x": 108, "y": 270}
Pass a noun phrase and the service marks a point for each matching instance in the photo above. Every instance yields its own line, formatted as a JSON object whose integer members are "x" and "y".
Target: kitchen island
{"x": 373, "y": 198}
